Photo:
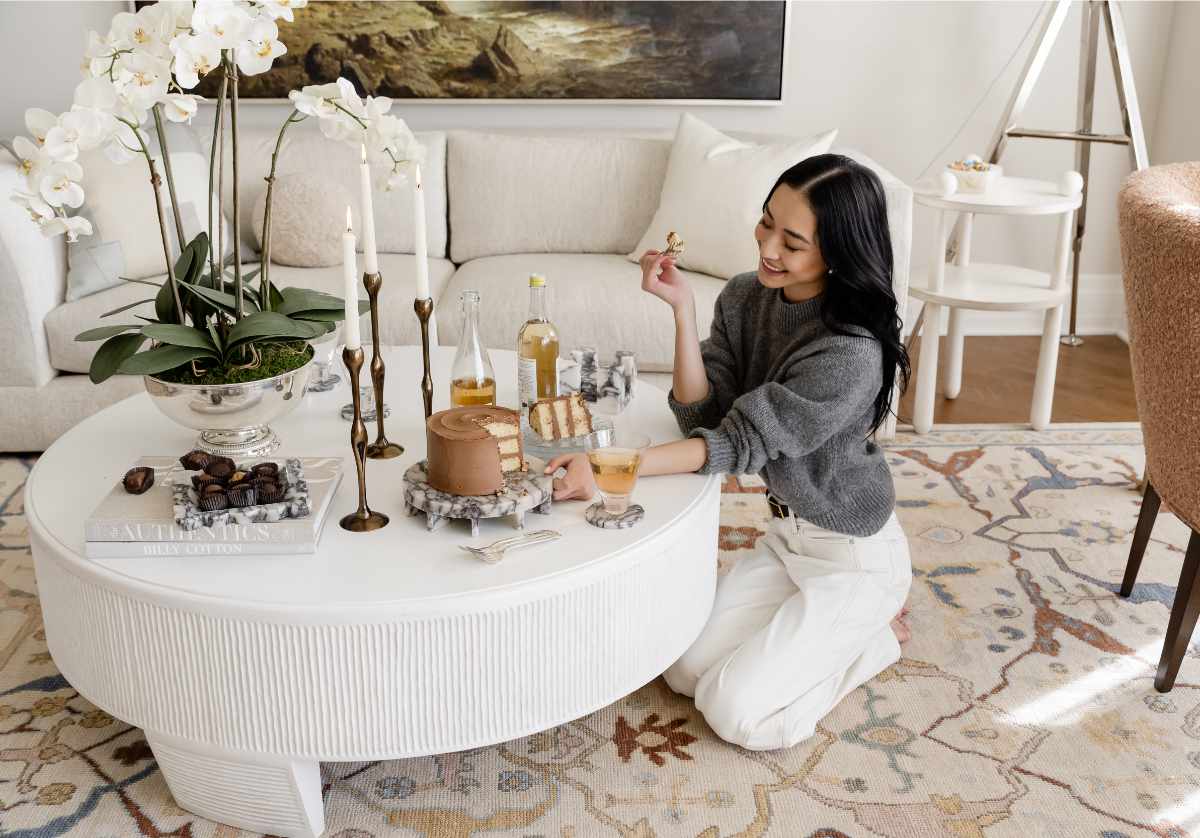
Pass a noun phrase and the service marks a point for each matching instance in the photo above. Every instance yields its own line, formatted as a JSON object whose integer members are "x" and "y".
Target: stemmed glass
{"x": 615, "y": 465}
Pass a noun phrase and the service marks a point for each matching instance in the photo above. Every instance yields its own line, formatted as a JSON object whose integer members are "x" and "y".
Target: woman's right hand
{"x": 661, "y": 278}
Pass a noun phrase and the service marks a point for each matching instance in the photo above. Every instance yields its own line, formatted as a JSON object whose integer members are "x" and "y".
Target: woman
{"x": 797, "y": 373}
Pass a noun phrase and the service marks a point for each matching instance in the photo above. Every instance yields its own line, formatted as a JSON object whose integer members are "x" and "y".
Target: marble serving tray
{"x": 295, "y": 503}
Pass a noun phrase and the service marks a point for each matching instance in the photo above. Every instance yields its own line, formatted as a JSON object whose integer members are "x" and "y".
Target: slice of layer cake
{"x": 561, "y": 417}
{"x": 473, "y": 450}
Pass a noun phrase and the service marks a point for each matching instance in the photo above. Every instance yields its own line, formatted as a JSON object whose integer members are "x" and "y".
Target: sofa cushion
{"x": 713, "y": 195}
{"x": 550, "y": 194}
{"x": 398, "y": 323}
{"x": 308, "y": 220}
{"x": 305, "y": 150}
{"x": 594, "y": 300}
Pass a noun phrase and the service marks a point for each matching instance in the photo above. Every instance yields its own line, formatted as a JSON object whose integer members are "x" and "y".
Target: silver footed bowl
{"x": 233, "y": 419}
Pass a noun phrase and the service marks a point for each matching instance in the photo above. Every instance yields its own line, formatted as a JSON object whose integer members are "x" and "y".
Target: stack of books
{"x": 130, "y": 526}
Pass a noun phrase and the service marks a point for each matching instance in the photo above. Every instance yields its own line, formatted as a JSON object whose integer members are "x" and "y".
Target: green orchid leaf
{"x": 305, "y": 299}
{"x": 216, "y": 337}
{"x": 274, "y": 296}
{"x": 112, "y": 354}
{"x": 219, "y": 299}
{"x": 161, "y": 359}
{"x": 180, "y": 336}
{"x": 271, "y": 324}
{"x": 105, "y": 332}
{"x": 164, "y": 303}
{"x": 139, "y": 281}
{"x": 126, "y": 307}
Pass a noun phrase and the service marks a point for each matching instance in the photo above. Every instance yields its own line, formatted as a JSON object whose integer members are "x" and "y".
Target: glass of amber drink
{"x": 615, "y": 465}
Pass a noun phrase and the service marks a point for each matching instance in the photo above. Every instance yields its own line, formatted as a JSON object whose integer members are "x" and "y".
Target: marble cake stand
{"x": 528, "y": 492}
{"x": 245, "y": 672}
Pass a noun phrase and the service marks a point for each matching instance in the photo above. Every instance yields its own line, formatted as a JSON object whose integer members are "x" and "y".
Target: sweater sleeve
{"x": 820, "y": 394}
{"x": 721, "y": 369}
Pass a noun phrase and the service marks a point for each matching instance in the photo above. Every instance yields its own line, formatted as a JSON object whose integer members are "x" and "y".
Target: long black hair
{"x": 852, "y": 232}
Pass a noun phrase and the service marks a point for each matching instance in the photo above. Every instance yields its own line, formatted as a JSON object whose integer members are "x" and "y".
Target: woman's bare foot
{"x": 900, "y": 626}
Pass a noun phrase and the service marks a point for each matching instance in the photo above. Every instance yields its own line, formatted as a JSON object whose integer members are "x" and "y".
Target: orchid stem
{"x": 218, "y": 255}
{"x": 156, "y": 183}
{"x": 265, "y": 281}
{"x": 166, "y": 157}
{"x": 232, "y": 74}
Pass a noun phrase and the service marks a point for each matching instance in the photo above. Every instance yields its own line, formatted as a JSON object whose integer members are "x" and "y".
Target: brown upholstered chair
{"x": 1160, "y": 259}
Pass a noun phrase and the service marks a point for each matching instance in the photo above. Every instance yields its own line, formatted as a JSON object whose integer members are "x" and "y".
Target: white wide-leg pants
{"x": 794, "y": 628}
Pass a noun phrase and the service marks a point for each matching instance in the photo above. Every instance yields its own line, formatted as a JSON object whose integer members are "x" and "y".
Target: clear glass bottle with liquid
{"x": 537, "y": 350}
{"x": 472, "y": 379}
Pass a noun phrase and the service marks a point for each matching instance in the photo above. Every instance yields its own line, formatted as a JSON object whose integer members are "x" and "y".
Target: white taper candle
{"x": 420, "y": 248}
{"x": 370, "y": 257}
{"x": 353, "y": 338}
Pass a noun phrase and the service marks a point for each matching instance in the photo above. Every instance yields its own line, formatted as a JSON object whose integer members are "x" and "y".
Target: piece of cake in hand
{"x": 473, "y": 450}
{"x": 560, "y": 418}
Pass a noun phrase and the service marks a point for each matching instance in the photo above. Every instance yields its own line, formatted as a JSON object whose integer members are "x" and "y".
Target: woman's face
{"x": 788, "y": 254}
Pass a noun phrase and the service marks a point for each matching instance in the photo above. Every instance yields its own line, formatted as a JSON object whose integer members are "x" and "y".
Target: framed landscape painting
{"x": 588, "y": 51}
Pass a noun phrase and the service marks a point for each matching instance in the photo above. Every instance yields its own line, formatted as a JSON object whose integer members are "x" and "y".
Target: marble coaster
{"x": 598, "y": 516}
{"x": 527, "y": 492}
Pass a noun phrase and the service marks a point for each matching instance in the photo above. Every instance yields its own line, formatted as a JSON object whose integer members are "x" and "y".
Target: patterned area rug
{"x": 1023, "y": 706}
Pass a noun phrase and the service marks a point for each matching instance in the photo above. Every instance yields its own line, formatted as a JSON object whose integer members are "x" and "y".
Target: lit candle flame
{"x": 349, "y": 226}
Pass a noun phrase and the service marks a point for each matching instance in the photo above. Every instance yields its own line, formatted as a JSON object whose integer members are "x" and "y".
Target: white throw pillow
{"x": 125, "y": 240}
{"x": 308, "y": 218}
{"x": 714, "y": 192}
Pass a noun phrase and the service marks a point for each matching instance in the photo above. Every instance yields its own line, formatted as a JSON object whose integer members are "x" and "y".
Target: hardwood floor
{"x": 1094, "y": 382}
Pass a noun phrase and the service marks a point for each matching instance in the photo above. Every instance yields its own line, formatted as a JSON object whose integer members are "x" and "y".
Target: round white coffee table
{"x": 245, "y": 672}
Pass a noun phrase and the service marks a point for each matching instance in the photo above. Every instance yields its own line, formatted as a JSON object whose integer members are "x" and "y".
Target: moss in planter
{"x": 277, "y": 358}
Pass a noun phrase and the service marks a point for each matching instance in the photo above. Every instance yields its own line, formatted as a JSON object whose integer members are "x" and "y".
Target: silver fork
{"x": 495, "y": 552}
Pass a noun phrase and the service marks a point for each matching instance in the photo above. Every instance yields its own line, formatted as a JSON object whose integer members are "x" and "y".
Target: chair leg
{"x": 1184, "y": 612}
{"x": 1141, "y": 537}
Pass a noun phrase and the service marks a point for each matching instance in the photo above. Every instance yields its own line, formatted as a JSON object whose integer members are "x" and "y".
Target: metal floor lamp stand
{"x": 1083, "y": 137}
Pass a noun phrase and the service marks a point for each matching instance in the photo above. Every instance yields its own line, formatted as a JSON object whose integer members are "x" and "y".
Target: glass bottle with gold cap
{"x": 537, "y": 350}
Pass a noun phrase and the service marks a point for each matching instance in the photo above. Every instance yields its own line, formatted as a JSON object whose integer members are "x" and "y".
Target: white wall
{"x": 897, "y": 79}
{"x": 1177, "y": 132}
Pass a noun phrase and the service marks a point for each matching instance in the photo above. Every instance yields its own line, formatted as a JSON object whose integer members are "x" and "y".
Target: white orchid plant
{"x": 141, "y": 72}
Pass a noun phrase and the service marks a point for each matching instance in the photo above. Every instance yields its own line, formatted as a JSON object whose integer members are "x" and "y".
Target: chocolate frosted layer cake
{"x": 472, "y": 450}
{"x": 561, "y": 417}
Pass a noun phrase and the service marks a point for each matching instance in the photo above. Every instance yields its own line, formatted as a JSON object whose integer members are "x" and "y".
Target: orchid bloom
{"x": 31, "y": 160}
{"x": 256, "y": 54}
{"x": 58, "y": 185}
{"x": 224, "y": 21}
{"x": 195, "y": 56}
{"x": 283, "y": 8}
{"x": 73, "y": 226}
{"x": 39, "y": 122}
{"x": 144, "y": 80}
{"x": 180, "y": 107}
{"x": 38, "y": 209}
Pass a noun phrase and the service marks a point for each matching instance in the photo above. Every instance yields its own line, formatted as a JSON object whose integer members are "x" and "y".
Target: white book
{"x": 144, "y": 525}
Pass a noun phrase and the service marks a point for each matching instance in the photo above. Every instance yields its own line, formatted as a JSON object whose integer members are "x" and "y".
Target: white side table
{"x": 991, "y": 287}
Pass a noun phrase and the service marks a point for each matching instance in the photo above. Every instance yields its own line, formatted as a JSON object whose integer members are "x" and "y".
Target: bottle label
{"x": 526, "y": 383}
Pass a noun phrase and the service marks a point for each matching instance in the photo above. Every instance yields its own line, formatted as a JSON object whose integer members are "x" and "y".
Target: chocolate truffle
{"x": 138, "y": 479}
{"x": 213, "y": 497}
{"x": 268, "y": 491}
{"x": 220, "y": 469}
{"x": 266, "y": 470}
{"x": 243, "y": 494}
{"x": 195, "y": 460}
{"x": 199, "y": 481}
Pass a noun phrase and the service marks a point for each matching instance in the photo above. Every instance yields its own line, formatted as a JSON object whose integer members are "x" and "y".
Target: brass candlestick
{"x": 362, "y": 520}
{"x": 380, "y": 449}
{"x": 424, "y": 308}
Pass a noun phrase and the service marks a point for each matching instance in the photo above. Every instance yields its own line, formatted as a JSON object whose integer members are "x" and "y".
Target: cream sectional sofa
{"x": 500, "y": 206}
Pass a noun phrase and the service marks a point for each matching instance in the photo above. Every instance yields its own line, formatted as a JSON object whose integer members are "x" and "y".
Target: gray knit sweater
{"x": 793, "y": 401}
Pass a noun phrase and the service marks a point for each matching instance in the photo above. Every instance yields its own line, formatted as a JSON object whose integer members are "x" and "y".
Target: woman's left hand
{"x": 577, "y": 483}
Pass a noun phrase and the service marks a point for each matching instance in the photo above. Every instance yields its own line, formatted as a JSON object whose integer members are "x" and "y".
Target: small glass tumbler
{"x": 615, "y": 466}
{"x": 325, "y": 350}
